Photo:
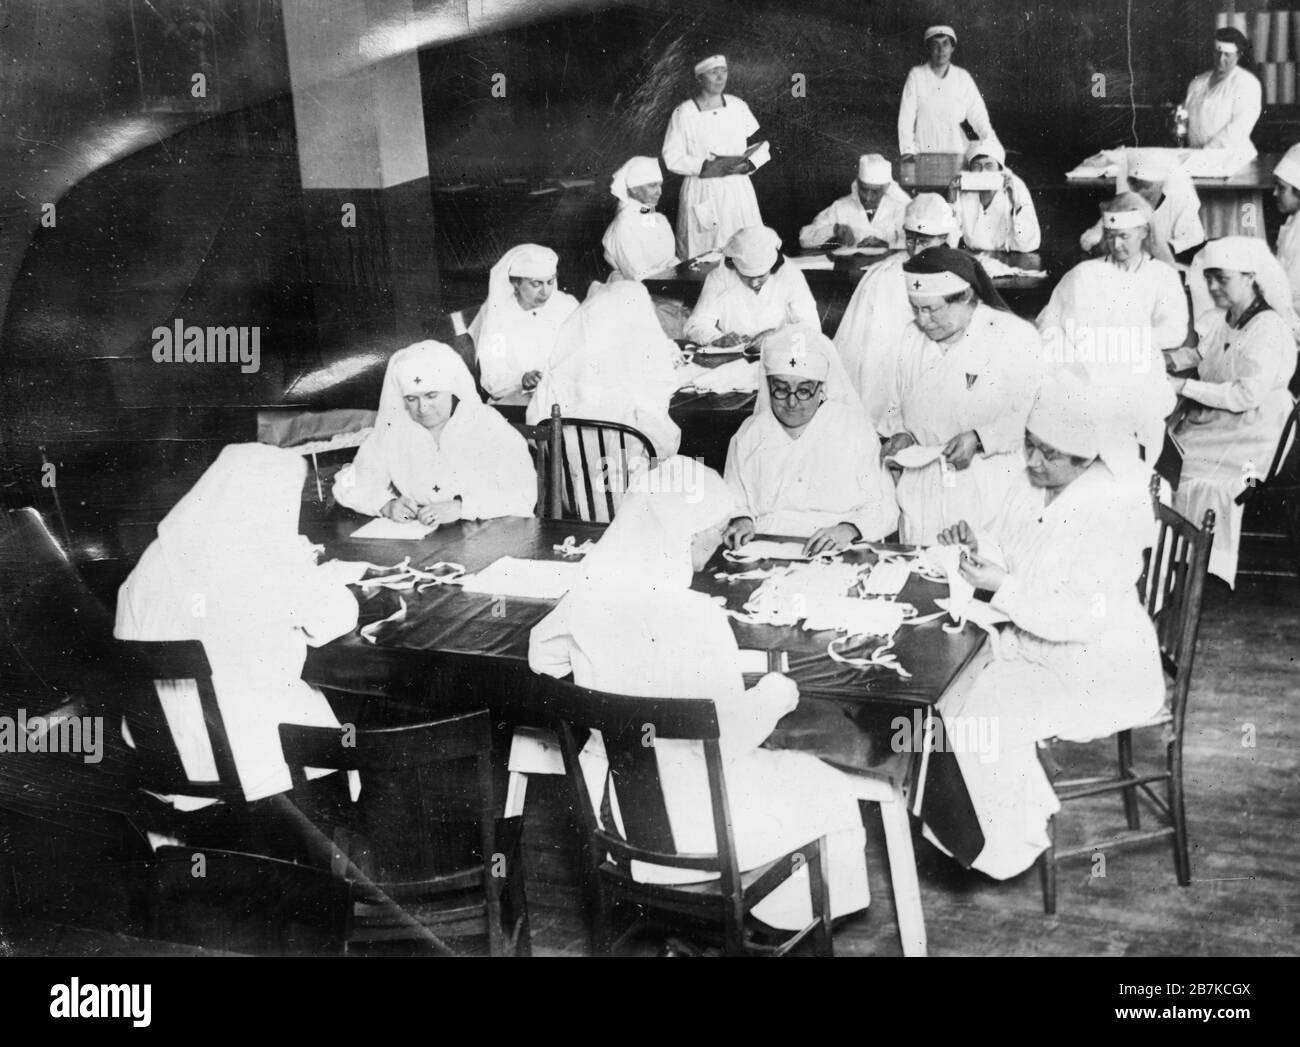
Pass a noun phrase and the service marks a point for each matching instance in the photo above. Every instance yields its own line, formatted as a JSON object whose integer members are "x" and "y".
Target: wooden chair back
{"x": 596, "y": 463}
{"x": 545, "y": 442}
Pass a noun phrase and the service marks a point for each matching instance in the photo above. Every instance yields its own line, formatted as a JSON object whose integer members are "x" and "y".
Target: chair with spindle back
{"x": 722, "y": 903}
{"x": 431, "y": 859}
{"x": 1280, "y": 486}
{"x": 544, "y": 441}
{"x": 598, "y": 458}
{"x": 1171, "y": 587}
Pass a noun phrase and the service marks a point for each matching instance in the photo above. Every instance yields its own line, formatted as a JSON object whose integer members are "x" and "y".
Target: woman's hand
{"x": 721, "y": 166}
{"x": 530, "y": 380}
{"x": 830, "y": 539}
{"x": 842, "y": 235}
{"x": 954, "y": 188}
{"x": 728, "y": 340}
{"x": 739, "y": 532}
{"x": 983, "y": 574}
{"x": 1177, "y": 384}
{"x": 400, "y": 509}
{"x": 961, "y": 449}
{"x": 896, "y": 443}
{"x": 959, "y": 534}
{"x": 872, "y": 241}
{"x": 439, "y": 513}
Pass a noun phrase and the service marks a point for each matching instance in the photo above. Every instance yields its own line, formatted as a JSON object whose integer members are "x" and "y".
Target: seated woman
{"x": 634, "y": 626}
{"x": 967, "y": 373}
{"x": 612, "y": 363}
{"x": 639, "y": 241}
{"x": 751, "y": 294}
{"x": 996, "y": 219}
{"x": 229, "y": 568}
{"x": 871, "y": 215}
{"x": 1175, "y": 207}
{"x": 1079, "y": 659}
{"x": 806, "y": 463}
{"x": 514, "y": 332}
{"x": 879, "y": 312}
{"x": 1238, "y": 403}
{"x": 1111, "y": 317}
{"x": 438, "y": 453}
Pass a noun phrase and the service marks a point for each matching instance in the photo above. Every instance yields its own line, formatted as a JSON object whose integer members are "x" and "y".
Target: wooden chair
{"x": 1171, "y": 587}
{"x": 247, "y": 903}
{"x": 1280, "y": 486}
{"x": 545, "y": 442}
{"x": 597, "y": 458}
{"x": 723, "y": 903}
{"x": 426, "y": 791}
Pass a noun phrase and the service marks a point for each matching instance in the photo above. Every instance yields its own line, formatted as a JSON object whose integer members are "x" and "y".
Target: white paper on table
{"x": 382, "y": 527}
{"x": 759, "y": 154}
{"x": 687, "y": 374}
{"x": 738, "y": 376}
{"x": 707, "y": 258}
{"x": 753, "y": 663}
{"x": 526, "y": 579}
{"x": 985, "y": 615}
{"x": 850, "y": 251}
{"x": 849, "y": 614}
{"x": 916, "y": 456}
{"x": 349, "y": 572}
{"x": 762, "y": 549}
{"x": 811, "y": 261}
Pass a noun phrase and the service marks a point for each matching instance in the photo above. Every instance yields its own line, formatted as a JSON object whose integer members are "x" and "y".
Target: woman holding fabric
{"x": 612, "y": 363}
{"x": 639, "y": 241}
{"x": 634, "y": 625}
{"x": 997, "y": 219}
{"x": 437, "y": 453}
{"x": 1223, "y": 106}
{"x": 806, "y": 463}
{"x": 706, "y": 141}
{"x": 515, "y": 330}
{"x": 751, "y": 294}
{"x": 967, "y": 373}
{"x": 229, "y": 568}
{"x": 1079, "y": 659}
{"x": 938, "y": 98}
{"x": 1239, "y": 400}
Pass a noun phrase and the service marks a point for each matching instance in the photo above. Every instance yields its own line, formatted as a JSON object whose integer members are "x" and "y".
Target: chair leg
{"x": 1048, "y": 869}
{"x": 1131, "y": 812}
{"x": 1178, "y": 814}
{"x": 819, "y": 876}
{"x": 516, "y": 788}
{"x": 902, "y": 870}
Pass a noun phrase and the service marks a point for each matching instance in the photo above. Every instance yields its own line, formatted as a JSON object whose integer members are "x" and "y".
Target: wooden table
{"x": 458, "y": 650}
{"x": 1255, "y": 176}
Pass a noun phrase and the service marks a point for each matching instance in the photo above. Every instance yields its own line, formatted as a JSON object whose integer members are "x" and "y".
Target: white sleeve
{"x": 1246, "y": 110}
{"x": 746, "y": 720}
{"x": 1187, "y": 231}
{"x": 907, "y": 117}
{"x": 677, "y": 157}
{"x": 495, "y": 360}
{"x": 1025, "y": 233}
{"x": 1169, "y": 316}
{"x": 504, "y": 481}
{"x": 732, "y": 474}
{"x": 801, "y": 306}
{"x": 703, "y": 326}
{"x": 365, "y": 485}
{"x": 1091, "y": 237}
{"x": 819, "y": 230}
{"x": 877, "y": 516}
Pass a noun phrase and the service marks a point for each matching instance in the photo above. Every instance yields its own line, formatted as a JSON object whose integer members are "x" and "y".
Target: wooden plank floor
{"x": 1243, "y": 803}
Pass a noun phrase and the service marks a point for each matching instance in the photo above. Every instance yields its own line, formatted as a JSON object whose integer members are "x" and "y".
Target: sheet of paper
{"x": 851, "y": 615}
{"x": 759, "y": 154}
{"x": 526, "y": 579}
{"x": 382, "y": 527}
{"x": 917, "y": 456}
{"x": 738, "y": 376}
{"x": 762, "y": 549}
{"x": 687, "y": 374}
{"x": 808, "y": 262}
{"x": 753, "y": 663}
{"x": 846, "y": 252}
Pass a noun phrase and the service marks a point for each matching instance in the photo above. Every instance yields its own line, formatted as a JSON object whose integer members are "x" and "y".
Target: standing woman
{"x": 1239, "y": 400}
{"x": 1223, "y": 106}
{"x": 967, "y": 374}
{"x": 937, "y": 97}
{"x": 706, "y": 140}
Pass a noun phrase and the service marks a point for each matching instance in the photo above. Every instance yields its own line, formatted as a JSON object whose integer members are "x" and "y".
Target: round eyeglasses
{"x": 802, "y": 393}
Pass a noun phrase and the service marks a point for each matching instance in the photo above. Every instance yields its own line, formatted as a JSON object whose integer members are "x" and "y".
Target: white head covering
{"x": 1066, "y": 416}
{"x": 874, "y": 170}
{"x": 1288, "y": 168}
{"x": 931, "y": 215}
{"x": 612, "y": 362}
{"x": 989, "y": 147}
{"x": 712, "y": 62}
{"x": 531, "y": 261}
{"x": 1249, "y": 254}
{"x": 925, "y": 285}
{"x": 403, "y": 444}
{"x": 753, "y": 250}
{"x": 1125, "y": 211}
{"x": 815, "y": 359}
{"x": 640, "y": 170}
{"x": 1149, "y": 165}
{"x": 940, "y": 30}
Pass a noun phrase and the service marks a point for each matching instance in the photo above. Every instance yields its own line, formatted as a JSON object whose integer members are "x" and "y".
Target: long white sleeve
{"x": 703, "y": 326}
{"x": 733, "y": 474}
{"x": 365, "y": 486}
{"x": 677, "y": 155}
{"x": 820, "y": 229}
{"x": 1025, "y": 232}
{"x": 1169, "y": 317}
{"x": 1247, "y": 105}
{"x": 907, "y": 115}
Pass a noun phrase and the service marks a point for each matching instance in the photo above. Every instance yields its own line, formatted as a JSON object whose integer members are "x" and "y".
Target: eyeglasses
{"x": 1048, "y": 454}
{"x": 801, "y": 393}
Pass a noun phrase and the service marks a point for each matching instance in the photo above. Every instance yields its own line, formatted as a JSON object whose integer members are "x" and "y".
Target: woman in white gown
{"x": 967, "y": 373}
{"x": 612, "y": 363}
{"x": 1239, "y": 401}
{"x": 706, "y": 141}
{"x": 639, "y": 241}
{"x": 938, "y": 98}
{"x": 437, "y": 453}
{"x": 633, "y": 626}
{"x": 1000, "y": 219}
{"x": 1079, "y": 659}
{"x": 515, "y": 330}
{"x": 806, "y": 463}
{"x": 229, "y": 568}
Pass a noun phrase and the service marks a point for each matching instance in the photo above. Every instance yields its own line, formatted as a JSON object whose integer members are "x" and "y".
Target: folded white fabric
{"x": 738, "y": 376}
{"x": 852, "y": 615}
{"x": 762, "y": 549}
{"x": 917, "y": 456}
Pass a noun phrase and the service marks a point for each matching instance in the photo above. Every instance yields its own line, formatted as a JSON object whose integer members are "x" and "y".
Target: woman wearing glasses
{"x": 806, "y": 463}
{"x": 967, "y": 373}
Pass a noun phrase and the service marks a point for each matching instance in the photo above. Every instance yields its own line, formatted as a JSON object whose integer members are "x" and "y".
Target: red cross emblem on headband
{"x": 792, "y": 361}
{"x": 436, "y": 488}
{"x": 916, "y": 285}
{"x": 418, "y": 381}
